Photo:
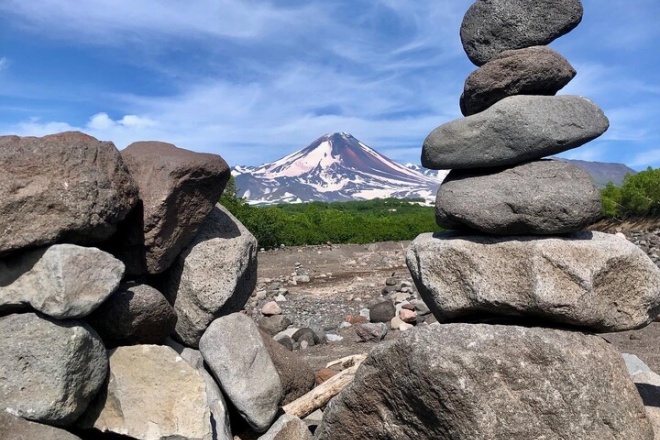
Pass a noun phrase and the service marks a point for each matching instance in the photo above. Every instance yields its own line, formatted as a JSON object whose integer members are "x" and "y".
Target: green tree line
{"x": 638, "y": 196}
{"x": 340, "y": 222}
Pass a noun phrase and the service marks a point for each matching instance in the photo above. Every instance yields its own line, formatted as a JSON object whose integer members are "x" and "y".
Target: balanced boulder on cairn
{"x": 519, "y": 256}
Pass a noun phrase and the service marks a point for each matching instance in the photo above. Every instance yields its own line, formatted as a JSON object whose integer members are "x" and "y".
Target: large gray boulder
{"x": 214, "y": 275}
{"x": 542, "y": 197}
{"x": 235, "y": 353}
{"x": 492, "y": 26}
{"x": 536, "y": 70}
{"x": 483, "y": 382}
{"x": 588, "y": 279}
{"x": 514, "y": 130}
{"x": 50, "y": 370}
{"x": 178, "y": 188}
{"x": 63, "y": 281}
{"x": 16, "y": 428}
{"x": 66, "y": 187}
{"x": 135, "y": 314}
{"x": 647, "y": 382}
{"x": 151, "y": 395}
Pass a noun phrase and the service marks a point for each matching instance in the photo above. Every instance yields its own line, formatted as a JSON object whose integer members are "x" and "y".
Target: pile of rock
{"x": 85, "y": 330}
{"x": 518, "y": 264}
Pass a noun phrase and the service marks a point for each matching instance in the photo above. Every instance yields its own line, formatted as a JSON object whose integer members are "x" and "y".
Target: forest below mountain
{"x": 399, "y": 219}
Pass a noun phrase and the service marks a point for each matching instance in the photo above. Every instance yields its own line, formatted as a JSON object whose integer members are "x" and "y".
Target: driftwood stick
{"x": 347, "y": 361}
{"x": 321, "y": 395}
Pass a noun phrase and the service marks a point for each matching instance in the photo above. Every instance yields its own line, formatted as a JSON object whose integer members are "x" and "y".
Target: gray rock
{"x": 63, "y": 187}
{"x": 16, "y": 428}
{"x": 214, "y": 276}
{"x": 539, "y": 198}
{"x": 536, "y": 70}
{"x": 287, "y": 428}
{"x": 306, "y": 334}
{"x": 648, "y": 386}
{"x": 492, "y": 26}
{"x": 382, "y": 312}
{"x": 234, "y": 351}
{"x": 151, "y": 395}
{"x": 64, "y": 281}
{"x": 576, "y": 280}
{"x": 373, "y": 332}
{"x": 50, "y": 369}
{"x": 134, "y": 314}
{"x": 483, "y": 382}
{"x": 514, "y": 130}
{"x": 274, "y": 324}
{"x": 178, "y": 189}
{"x": 285, "y": 341}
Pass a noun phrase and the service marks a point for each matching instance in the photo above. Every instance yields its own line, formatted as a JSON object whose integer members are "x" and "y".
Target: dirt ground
{"x": 347, "y": 278}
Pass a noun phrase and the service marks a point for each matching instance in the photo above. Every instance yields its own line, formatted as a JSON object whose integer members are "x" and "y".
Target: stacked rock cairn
{"x": 518, "y": 284}
{"x": 121, "y": 286}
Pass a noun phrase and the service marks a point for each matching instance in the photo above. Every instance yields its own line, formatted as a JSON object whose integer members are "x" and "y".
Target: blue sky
{"x": 256, "y": 80}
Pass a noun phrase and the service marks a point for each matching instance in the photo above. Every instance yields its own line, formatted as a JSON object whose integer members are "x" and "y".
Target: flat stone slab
{"x": 593, "y": 280}
{"x": 540, "y": 198}
{"x": 492, "y": 26}
{"x": 536, "y": 70}
{"x": 486, "y": 382}
{"x": 64, "y": 281}
{"x": 514, "y": 130}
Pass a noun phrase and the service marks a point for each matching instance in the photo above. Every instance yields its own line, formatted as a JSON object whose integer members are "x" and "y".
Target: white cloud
{"x": 649, "y": 158}
{"x": 4, "y": 63}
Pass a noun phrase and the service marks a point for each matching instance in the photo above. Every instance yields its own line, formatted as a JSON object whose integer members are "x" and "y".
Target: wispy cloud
{"x": 4, "y": 63}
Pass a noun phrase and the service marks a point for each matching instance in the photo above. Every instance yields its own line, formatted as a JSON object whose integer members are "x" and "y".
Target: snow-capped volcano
{"x": 335, "y": 167}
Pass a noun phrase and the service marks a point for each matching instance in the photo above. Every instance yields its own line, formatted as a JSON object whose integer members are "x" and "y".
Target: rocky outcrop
{"x": 134, "y": 314}
{"x": 536, "y": 70}
{"x": 151, "y": 395}
{"x": 471, "y": 382}
{"x": 287, "y": 428}
{"x": 16, "y": 428}
{"x": 50, "y": 369}
{"x": 493, "y": 26}
{"x": 234, "y": 351}
{"x": 214, "y": 275}
{"x": 64, "y": 281}
{"x": 514, "y": 130}
{"x": 541, "y": 197}
{"x": 178, "y": 189}
{"x": 66, "y": 187}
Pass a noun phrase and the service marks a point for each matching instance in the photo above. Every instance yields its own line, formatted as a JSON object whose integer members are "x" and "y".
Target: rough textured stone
{"x": 296, "y": 376}
{"x": 214, "y": 276}
{"x": 219, "y": 411}
{"x": 63, "y": 281}
{"x": 492, "y": 26}
{"x": 536, "y": 70}
{"x": 134, "y": 314}
{"x": 271, "y": 308}
{"x": 63, "y": 187}
{"x": 514, "y": 130}
{"x": 178, "y": 189}
{"x": 371, "y": 331}
{"x": 287, "y": 428}
{"x": 540, "y": 198}
{"x": 16, "y": 428}
{"x": 588, "y": 279}
{"x": 152, "y": 394}
{"x": 274, "y": 324}
{"x": 382, "y": 312}
{"x": 49, "y": 370}
{"x": 482, "y": 382}
{"x": 235, "y": 352}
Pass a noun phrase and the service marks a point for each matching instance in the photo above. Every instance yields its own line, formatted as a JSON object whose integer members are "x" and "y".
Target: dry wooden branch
{"x": 321, "y": 395}
{"x": 348, "y": 361}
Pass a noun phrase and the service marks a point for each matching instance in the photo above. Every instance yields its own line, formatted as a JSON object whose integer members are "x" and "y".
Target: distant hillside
{"x": 603, "y": 172}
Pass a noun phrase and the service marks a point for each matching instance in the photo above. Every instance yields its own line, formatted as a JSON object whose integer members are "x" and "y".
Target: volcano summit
{"x": 335, "y": 167}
